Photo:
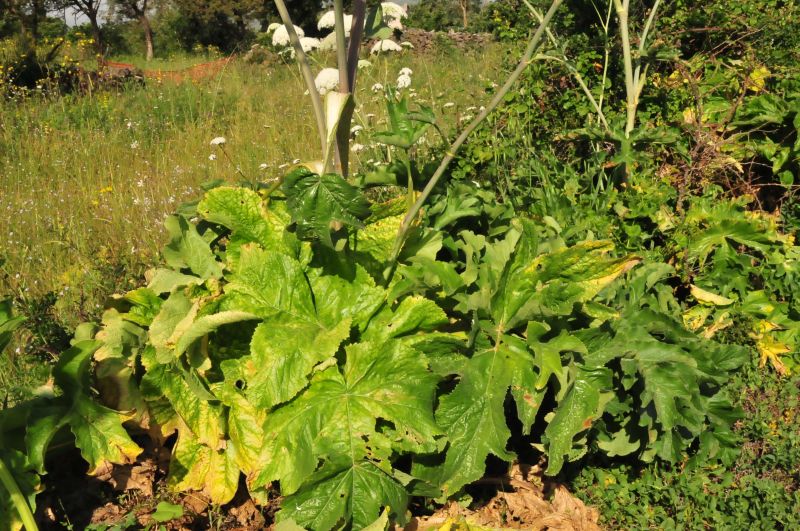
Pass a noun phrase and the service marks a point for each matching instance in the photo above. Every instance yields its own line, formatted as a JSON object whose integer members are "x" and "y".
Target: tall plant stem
{"x": 623, "y": 9}
{"x": 356, "y": 33}
{"x": 308, "y": 77}
{"x": 341, "y": 46}
{"x": 17, "y": 498}
{"x": 527, "y": 57}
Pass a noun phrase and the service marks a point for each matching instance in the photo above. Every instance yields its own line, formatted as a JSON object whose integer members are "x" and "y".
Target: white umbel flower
{"x": 218, "y": 141}
{"x": 272, "y": 27}
{"x": 363, "y": 63}
{"x": 328, "y": 21}
{"x": 395, "y": 24}
{"x": 327, "y": 80}
{"x": 393, "y": 11}
{"x": 309, "y": 43}
{"x": 406, "y": 71}
{"x": 403, "y": 81}
{"x": 385, "y": 45}
{"x": 281, "y": 35}
{"x": 377, "y": 87}
{"x": 406, "y": 44}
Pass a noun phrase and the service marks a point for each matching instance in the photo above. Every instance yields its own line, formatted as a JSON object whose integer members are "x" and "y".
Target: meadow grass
{"x": 86, "y": 181}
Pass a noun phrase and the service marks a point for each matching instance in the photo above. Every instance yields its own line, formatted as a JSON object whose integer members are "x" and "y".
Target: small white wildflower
{"x": 282, "y": 166}
{"x": 356, "y": 129}
{"x": 377, "y": 87}
{"x": 406, "y": 71}
{"x": 355, "y": 148}
{"x": 385, "y": 45}
{"x": 135, "y": 144}
{"x": 281, "y": 35}
{"x": 140, "y": 183}
{"x": 363, "y": 63}
{"x": 272, "y": 27}
{"x": 406, "y": 44}
{"x": 403, "y": 81}
{"x": 212, "y": 157}
{"x": 327, "y": 80}
{"x": 448, "y": 105}
{"x": 296, "y": 161}
{"x": 471, "y": 108}
{"x": 263, "y": 166}
{"x": 218, "y": 141}
{"x": 129, "y": 124}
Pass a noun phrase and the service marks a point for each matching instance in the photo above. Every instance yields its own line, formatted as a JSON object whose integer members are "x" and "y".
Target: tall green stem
{"x": 341, "y": 46}
{"x": 308, "y": 76}
{"x": 17, "y": 498}
{"x": 623, "y": 9}
{"x": 527, "y": 57}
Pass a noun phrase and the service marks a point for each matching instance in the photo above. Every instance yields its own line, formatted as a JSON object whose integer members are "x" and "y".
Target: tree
{"x": 223, "y": 23}
{"x": 138, "y": 10}
{"x": 91, "y": 10}
{"x": 442, "y": 15}
{"x": 26, "y": 13}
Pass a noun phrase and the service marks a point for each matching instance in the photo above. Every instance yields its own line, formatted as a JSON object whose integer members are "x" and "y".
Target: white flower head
{"x": 281, "y": 35}
{"x": 363, "y": 63}
{"x": 406, "y": 71}
{"x": 395, "y": 24}
{"x": 218, "y": 141}
{"x": 135, "y": 144}
{"x": 328, "y": 21}
{"x": 212, "y": 157}
{"x": 392, "y": 10}
{"x": 327, "y": 80}
{"x": 272, "y": 27}
{"x": 355, "y": 148}
{"x": 356, "y": 129}
{"x": 309, "y": 43}
{"x": 406, "y": 44}
{"x": 448, "y": 105}
{"x": 263, "y": 166}
{"x": 377, "y": 87}
{"x": 386, "y": 45}
{"x": 403, "y": 81}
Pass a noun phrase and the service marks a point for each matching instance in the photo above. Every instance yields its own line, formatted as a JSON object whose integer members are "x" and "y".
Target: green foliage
{"x": 759, "y": 486}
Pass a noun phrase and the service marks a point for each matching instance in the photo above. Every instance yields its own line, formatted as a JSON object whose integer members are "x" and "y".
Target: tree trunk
{"x": 148, "y": 36}
{"x": 96, "y": 33}
{"x": 464, "y": 4}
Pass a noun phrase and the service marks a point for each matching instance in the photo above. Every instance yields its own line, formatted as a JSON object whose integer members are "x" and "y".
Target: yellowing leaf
{"x": 706, "y": 297}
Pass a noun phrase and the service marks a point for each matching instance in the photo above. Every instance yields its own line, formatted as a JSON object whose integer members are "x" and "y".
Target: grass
{"x": 85, "y": 182}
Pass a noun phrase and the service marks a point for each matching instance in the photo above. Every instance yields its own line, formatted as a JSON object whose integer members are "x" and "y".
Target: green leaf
{"x": 335, "y": 420}
{"x": 575, "y": 413}
{"x": 8, "y": 323}
{"x": 188, "y": 250}
{"x": 358, "y": 492}
{"x": 322, "y": 203}
{"x": 98, "y": 431}
{"x": 167, "y": 511}
{"x": 243, "y": 212}
{"x": 473, "y": 414}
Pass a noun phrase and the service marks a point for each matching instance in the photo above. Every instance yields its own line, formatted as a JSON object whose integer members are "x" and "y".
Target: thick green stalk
{"x": 623, "y": 9}
{"x": 308, "y": 76}
{"x": 356, "y": 33}
{"x": 341, "y": 46}
{"x": 527, "y": 57}
{"x": 17, "y": 498}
